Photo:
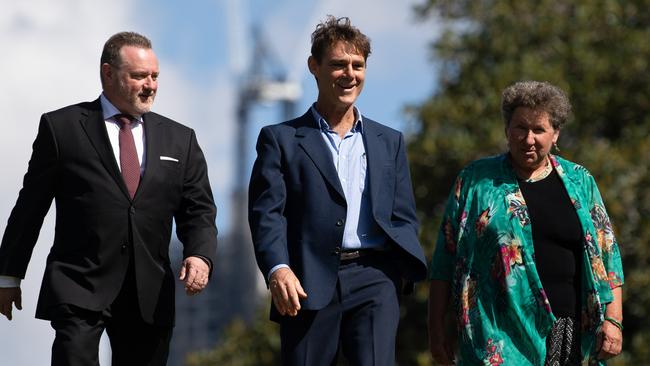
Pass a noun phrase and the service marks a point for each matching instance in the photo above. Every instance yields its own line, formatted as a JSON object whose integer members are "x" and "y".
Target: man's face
{"x": 339, "y": 75}
{"x": 132, "y": 85}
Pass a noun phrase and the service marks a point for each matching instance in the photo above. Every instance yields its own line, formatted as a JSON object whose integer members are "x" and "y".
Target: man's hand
{"x": 9, "y": 296}
{"x": 286, "y": 291}
{"x": 194, "y": 272}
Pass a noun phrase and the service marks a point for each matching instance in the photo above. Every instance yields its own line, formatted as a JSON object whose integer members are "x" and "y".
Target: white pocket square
{"x": 167, "y": 158}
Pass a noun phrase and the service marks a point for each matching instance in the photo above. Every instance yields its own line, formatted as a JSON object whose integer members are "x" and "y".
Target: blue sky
{"x": 51, "y": 60}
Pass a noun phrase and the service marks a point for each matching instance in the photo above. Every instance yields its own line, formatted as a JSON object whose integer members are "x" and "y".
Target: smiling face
{"x": 530, "y": 138}
{"x": 132, "y": 85}
{"x": 339, "y": 75}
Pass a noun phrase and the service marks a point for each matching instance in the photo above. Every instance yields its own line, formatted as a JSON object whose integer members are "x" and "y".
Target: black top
{"x": 557, "y": 238}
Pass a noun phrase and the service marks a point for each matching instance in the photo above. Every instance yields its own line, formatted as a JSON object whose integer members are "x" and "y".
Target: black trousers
{"x": 361, "y": 320}
{"x": 133, "y": 342}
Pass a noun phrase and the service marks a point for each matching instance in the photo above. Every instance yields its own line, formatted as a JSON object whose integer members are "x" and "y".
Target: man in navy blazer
{"x": 332, "y": 216}
{"x": 108, "y": 268}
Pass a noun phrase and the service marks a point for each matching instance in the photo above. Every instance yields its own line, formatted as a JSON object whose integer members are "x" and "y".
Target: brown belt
{"x": 354, "y": 254}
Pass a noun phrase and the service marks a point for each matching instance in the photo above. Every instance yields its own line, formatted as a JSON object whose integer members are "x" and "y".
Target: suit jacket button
{"x": 340, "y": 222}
{"x": 337, "y": 251}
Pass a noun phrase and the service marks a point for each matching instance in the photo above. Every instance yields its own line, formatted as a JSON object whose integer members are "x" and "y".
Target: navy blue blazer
{"x": 297, "y": 207}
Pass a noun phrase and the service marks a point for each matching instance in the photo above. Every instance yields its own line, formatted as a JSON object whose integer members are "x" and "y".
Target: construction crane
{"x": 263, "y": 83}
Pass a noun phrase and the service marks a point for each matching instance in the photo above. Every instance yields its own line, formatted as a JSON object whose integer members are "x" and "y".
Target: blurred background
{"x": 436, "y": 72}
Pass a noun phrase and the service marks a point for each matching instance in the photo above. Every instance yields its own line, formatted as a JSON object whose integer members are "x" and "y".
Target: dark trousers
{"x": 361, "y": 320}
{"x": 133, "y": 342}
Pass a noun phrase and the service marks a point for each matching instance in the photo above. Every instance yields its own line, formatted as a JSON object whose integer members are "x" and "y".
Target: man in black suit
{"x": 332, "y": 216}
{"x": 119, "y": 175}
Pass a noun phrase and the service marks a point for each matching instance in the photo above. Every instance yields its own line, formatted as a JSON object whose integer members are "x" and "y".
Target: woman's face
{"x": 530, "y": 138}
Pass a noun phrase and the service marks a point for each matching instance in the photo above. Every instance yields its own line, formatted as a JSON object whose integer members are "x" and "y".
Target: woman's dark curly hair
{"x": 536, "y": 95}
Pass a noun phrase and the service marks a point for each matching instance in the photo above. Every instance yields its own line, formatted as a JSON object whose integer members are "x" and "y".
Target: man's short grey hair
{"x": 112, "y": 47}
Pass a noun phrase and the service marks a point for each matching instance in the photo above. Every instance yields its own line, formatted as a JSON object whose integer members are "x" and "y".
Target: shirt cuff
{"x": 205, "y": 259}
{"x": 8, "y": 281}
{"x": 275, "y": 268}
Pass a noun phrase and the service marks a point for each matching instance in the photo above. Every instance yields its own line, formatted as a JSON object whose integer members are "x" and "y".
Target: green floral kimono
{"x": 485, "y": 250}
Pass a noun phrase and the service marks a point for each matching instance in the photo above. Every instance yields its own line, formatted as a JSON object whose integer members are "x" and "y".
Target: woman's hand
{"x": 440, "y": 344}
{"x": 610, "y": 341}
{"x": 440, "y": 347}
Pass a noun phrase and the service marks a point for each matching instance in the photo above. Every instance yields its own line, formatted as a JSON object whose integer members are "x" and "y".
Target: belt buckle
{"x": 346, "y": 256}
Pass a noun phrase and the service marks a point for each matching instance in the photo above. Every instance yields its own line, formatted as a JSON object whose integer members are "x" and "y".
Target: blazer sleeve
{"x": 266, "y": 201}
{"x": 33, "y": 203}
{"x": 195, "y": 218}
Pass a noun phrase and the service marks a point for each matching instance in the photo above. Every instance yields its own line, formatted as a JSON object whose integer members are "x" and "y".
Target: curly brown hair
{"x": 539, "y": 95}
{"x": 334, "y": 29}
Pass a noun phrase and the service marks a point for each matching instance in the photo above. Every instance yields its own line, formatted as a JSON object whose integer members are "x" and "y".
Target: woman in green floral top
{"x": 526, "y": 256}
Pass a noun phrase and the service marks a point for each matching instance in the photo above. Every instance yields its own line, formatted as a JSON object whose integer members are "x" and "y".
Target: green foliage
{"x": 255, "y": 344}
{"x": 598, "y": 52}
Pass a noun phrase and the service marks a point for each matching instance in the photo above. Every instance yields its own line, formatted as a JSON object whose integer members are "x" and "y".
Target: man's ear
{"x": 107, "y": 72}
{"x": 312, "y": 64}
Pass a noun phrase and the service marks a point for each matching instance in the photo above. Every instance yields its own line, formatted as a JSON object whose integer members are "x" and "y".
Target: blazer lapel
{"x": 152, "y": 137}
{"x": 376, "y": 158}
{"x": 92, "y": 121}
{"x": 312, "y": 143}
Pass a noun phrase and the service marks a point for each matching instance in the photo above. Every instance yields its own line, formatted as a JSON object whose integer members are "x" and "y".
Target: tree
{"x": 598, "y": 52}
{"x": 243, "y": 344}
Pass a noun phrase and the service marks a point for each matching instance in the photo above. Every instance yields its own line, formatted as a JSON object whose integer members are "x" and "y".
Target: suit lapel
{"x": 92, "y": 121}
{"x": 152, "y": 137}
{"x": 375, "y": 157}
{"x": 311, "y": 141}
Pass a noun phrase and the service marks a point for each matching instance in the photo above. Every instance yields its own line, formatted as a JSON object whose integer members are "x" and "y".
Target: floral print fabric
{"x": 485, "y": 250}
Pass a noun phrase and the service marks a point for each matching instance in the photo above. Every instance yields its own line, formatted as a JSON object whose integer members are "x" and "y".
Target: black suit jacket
{"x": 98, "y": 225}
{"x": 297, "y": 206}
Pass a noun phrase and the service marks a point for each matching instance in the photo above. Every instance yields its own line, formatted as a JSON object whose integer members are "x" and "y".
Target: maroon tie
{"x": 129, "y": 162}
